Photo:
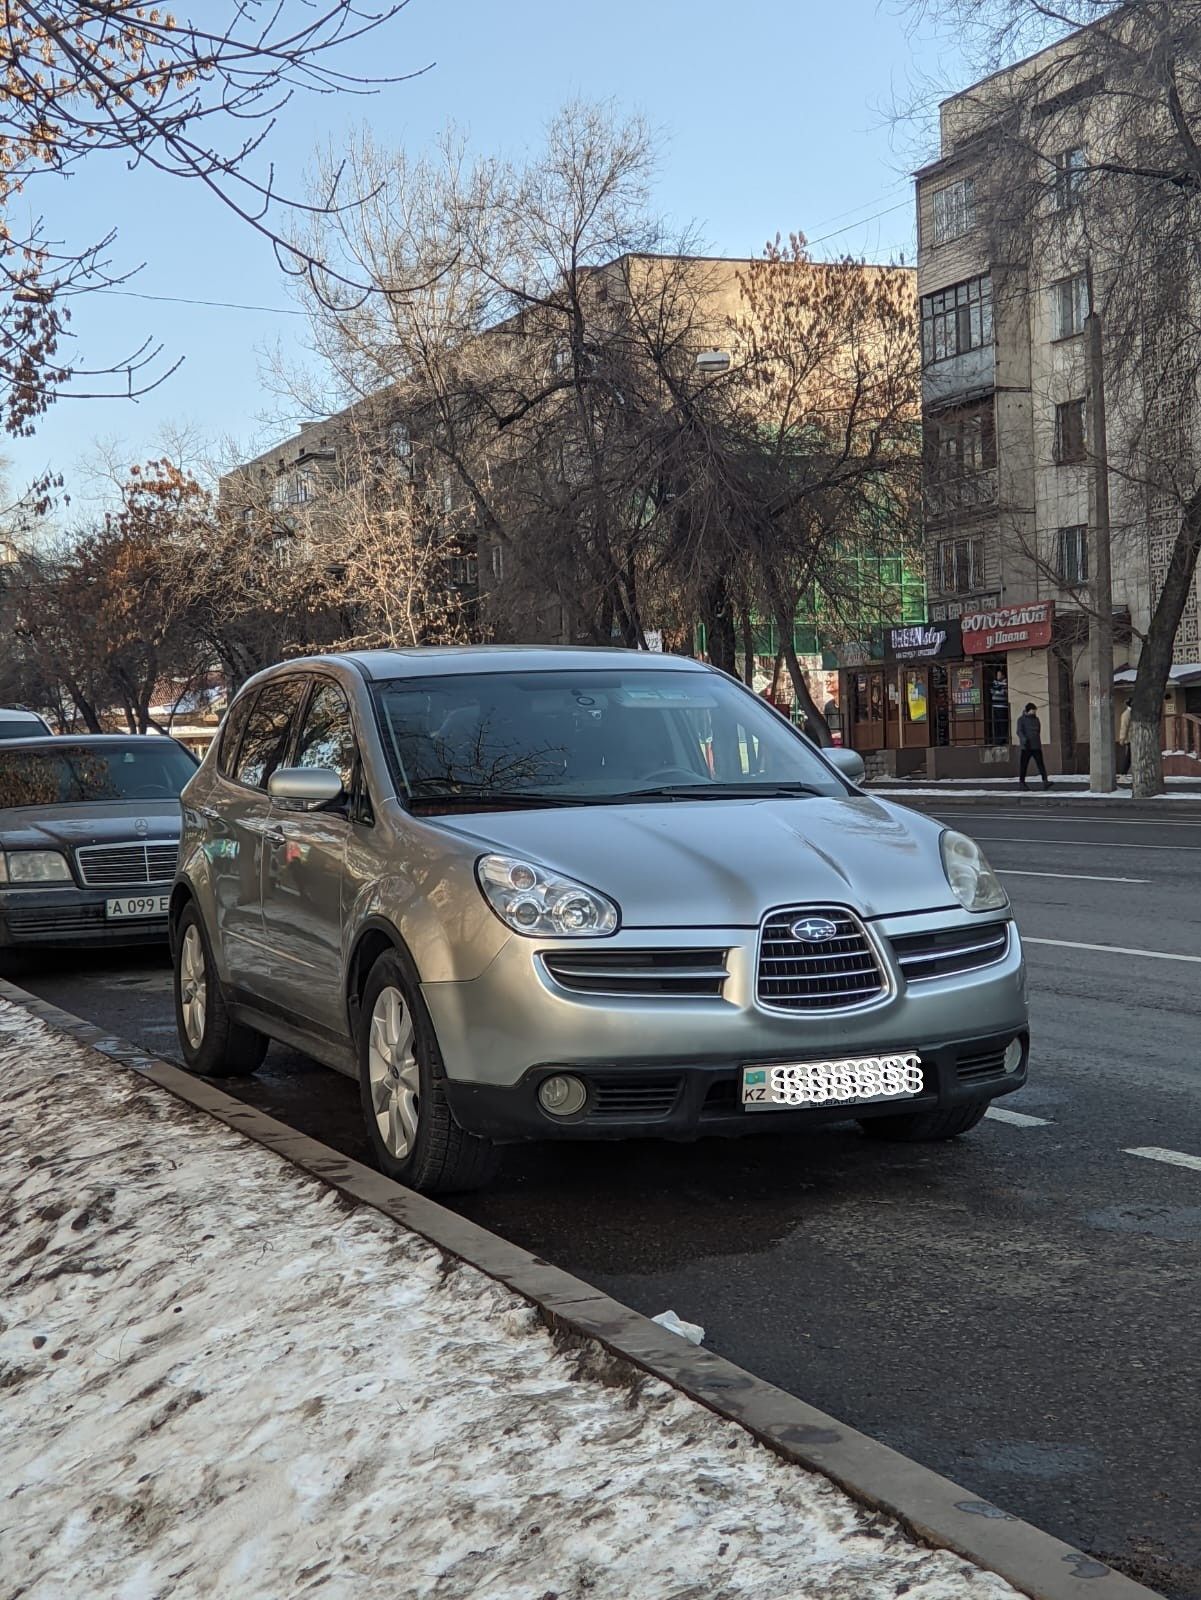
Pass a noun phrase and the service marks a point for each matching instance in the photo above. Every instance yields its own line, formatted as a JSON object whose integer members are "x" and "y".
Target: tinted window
{"x": 231, "y": 734}
{"x": 600, "y": 734}
{"x": 11, "y": 729}
{"x": 266, "y": 739}
{"x": 150, "y": 769}
{"x": 327, "y": 738}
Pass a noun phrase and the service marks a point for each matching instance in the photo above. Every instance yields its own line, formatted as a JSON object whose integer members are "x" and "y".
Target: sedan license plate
{"x": 848, "y": 1081}
{"x": 138, "y": 905}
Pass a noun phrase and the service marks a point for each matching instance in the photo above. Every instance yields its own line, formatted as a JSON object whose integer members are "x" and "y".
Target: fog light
{"x": 562, "y": 1096}
{"x": 1013, "y": 1055}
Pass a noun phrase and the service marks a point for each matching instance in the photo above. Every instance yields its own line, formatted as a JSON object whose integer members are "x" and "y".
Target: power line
{"x": 217, "y": 305}
{"x": 904, "y": 205}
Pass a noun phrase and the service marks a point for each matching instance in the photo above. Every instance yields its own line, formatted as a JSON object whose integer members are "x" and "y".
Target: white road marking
{"x": 1079, "y": 844}
{"x": 1018, "y": 1118}
{"x": 1068, "y": 822}
{"x": 1080, "y": 877}
{"x": 1113, "y": 949}
{"x": 1172, "y": 1158}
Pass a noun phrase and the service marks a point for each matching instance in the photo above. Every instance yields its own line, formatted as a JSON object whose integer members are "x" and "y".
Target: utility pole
{"x": 1102, "y": 764}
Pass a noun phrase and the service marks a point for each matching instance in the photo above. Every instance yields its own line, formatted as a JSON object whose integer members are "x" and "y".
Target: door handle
{"x": 273, "y": 835}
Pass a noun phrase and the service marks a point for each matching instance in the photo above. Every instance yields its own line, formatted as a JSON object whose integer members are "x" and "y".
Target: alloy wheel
{"x": 393, "y": 1072}
{"x": 193, "y": 986}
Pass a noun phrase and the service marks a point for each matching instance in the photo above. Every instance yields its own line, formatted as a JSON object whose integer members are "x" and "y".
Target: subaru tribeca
{"x": 536, "y": 893}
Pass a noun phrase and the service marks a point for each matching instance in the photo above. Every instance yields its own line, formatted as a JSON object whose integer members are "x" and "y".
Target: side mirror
{"x": 848, "y": 762}
{"x": 306, "y": 786}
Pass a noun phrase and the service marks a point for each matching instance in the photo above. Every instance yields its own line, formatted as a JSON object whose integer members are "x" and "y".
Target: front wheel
{"x": 211, "y": 1042}
{"x": 415, "y": 1137}
{"x": 926, "y": 1127}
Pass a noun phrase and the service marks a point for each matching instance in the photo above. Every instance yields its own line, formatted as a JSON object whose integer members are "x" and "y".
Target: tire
{"x": 926, "y": 1127}
{"x": 412, "y": 1131}
{"x": 212, "y": 1044}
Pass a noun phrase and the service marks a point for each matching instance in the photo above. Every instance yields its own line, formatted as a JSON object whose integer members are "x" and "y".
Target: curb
{"x": 931, "y": 1508}
{"x": 1185, "y": 809}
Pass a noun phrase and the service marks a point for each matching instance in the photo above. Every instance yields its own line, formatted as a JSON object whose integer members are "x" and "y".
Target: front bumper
{"x": 681, "y": 1101}
{"x": 74, "y": 918}
{"x": 501, "y": 1033}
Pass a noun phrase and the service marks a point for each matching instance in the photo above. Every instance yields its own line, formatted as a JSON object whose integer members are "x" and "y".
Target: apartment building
{"x": 1007, "y": 464}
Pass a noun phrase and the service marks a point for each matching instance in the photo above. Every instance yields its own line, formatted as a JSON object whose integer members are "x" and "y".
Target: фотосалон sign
{"x": 1008, "y": 628}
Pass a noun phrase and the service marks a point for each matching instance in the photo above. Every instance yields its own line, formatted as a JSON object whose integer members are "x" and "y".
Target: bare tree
{"x": 192, "y": 101}
{"x": 1089, "y": 162}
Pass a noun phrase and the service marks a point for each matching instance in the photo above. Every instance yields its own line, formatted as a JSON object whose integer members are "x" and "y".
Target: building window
{"x": 1071, "y": 562}
{"x": 960, "y": 443}
{"x": 291, "y": 489}
{"x": 954, "y": 211}
{"x": 956, "y": 320}
{"x": 960, "y": 565}
{"x": 464, "y": 572}
{"x": 1071, "y": 305}
{"x": 1069, "y": 432}
{"x": 498, "y": 562}
{"x": 400, "y": 443}
{"x": 448, "y": 494}
{"x": 1069, "y": 179}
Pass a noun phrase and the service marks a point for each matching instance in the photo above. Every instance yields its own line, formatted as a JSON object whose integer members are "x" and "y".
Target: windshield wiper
{"x": 723, "y": 791}
{"x": 483, "y": 799}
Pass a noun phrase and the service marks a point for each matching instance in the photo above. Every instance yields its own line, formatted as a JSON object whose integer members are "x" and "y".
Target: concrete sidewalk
{"x": 224, "y": 1378}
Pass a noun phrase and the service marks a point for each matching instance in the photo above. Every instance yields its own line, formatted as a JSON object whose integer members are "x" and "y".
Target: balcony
{"x": 958, "y": 377}
{"x": 954, "y": 499}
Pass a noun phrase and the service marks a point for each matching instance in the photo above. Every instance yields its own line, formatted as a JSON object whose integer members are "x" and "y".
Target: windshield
{"x": 591, "y": 735}
{"x": 154, "y": 769}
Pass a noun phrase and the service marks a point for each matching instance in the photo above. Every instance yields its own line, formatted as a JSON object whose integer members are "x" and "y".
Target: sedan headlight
{"x": 533, "y": 901}
{"x": 34, "y": 866}
{"x": 972, "y": 880}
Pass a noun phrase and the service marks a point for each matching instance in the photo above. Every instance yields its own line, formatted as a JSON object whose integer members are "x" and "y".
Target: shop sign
{"x": 965, "y": 686}
{"x": 1008, "y": 628}
{"x": 923, "y": 641}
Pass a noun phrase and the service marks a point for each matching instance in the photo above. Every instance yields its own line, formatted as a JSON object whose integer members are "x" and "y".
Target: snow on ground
{"x": 221, "y": 1379}
{"x": 1033, "y": 796}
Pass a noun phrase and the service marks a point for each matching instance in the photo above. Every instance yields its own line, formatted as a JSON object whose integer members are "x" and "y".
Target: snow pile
{"x": 220, "y": 1379}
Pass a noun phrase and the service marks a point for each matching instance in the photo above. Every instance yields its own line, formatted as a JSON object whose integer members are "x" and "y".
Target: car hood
{"x": 68, "y": 827}
{"x": 717, "y": 863}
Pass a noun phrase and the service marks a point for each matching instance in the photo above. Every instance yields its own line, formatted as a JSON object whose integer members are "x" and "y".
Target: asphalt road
{"x": 1019, "y": 1309}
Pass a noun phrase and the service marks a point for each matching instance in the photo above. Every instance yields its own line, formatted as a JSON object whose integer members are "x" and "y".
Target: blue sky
{"x": 774, "y": 115}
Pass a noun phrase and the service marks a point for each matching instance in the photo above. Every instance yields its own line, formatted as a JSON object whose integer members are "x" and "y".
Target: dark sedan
{"x": 89, "y": 834}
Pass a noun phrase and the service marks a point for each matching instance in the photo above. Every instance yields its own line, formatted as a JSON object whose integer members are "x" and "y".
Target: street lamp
{"x": 712, "y": 362}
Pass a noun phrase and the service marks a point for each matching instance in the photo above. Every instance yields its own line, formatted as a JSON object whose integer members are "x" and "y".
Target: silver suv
{"x": 582, "y": 894}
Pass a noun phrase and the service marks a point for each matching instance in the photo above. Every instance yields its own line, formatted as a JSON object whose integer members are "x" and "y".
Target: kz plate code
{"x": 815, "y": 1083}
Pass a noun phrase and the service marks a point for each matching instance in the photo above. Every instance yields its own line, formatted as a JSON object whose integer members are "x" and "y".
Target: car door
{"x": 304, "y": 866}
{"x": 245, "y": 811}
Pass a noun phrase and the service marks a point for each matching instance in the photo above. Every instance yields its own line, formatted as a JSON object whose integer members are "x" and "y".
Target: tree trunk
{"x": 816, "y": 722}
{"x": 777, "y": 676}
{"x": 719, "y": 626}
{"x": 1155, "y": 661}
{"x": 747, "y": 629}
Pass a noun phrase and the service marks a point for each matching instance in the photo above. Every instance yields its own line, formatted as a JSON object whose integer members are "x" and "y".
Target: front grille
{"x": 46, "y": 922}
{"x": 989, "y": 1064}
{"x": 627, "y": 1096}
{"x": 818, "y": 975}
{"x": 685, "y": 973}
{"x": 923, "y": 956}
{"x": 120, "y": 866}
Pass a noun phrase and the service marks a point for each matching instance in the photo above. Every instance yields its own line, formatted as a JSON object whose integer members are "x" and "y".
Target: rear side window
{"x": 231, "y": 734}
{"x": 328, "y": 736}
{"x": 265, "y": 741}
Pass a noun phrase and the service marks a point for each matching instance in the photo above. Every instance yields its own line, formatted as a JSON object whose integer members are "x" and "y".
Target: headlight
{"x": 533, "y": 901}
{"x": 972, "y": 880}
{"x": 34, "y": 866}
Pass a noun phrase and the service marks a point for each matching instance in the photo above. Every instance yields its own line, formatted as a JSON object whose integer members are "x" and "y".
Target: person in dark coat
{"x": 1030, "y": 745}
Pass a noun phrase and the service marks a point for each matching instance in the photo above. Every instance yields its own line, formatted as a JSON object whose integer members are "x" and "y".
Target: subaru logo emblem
{"x": 814, "y": 930}
{"x": 141, "y": 827}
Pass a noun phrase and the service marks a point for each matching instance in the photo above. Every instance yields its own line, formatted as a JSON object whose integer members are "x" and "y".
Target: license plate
{"x": 138, "y": 905}
{"x": 848, "y": 1081}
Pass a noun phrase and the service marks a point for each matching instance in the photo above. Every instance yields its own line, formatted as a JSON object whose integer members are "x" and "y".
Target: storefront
{"x": 951, "y": 686}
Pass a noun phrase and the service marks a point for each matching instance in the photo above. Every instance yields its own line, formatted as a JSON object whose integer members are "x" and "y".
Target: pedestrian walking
{"x": 1030, "y": 745}
{"x": 1124, "y": 738}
